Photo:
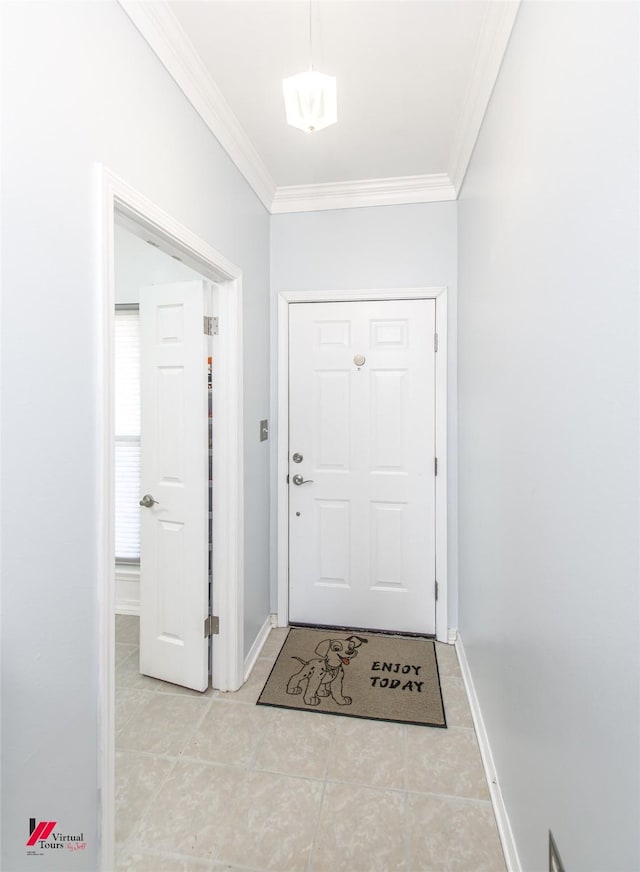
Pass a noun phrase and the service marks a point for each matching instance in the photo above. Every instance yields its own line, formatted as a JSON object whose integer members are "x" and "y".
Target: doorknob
{"x": 298, "y": 479}
{"x": 147, "y": 501}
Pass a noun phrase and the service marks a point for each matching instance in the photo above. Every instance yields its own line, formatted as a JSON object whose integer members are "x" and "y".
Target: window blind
{"x": 127, "y": 435}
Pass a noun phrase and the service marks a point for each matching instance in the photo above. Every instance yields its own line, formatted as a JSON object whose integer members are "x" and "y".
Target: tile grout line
{"x": 330, "y": 753}
{"x": 149, "y": 755}
{"x": 152, "y": 691}
{"x": 325, "y": 781}
{"x": 126, "y": 723}
{"x": 312, "y": 847}
{"x": 407, "y": 834}
{"x": 159, "y": 686}
{"x": 207, "y": 708}
{"x": 198, "y": 861}
{"x": 319, "y": 779}
{"x": 405, "y": 749}
{"x": 251, "y": 763}
{"x": 405, "y": 752}
{"x": 451, "y": 796}
{"x": 206, "y": 704}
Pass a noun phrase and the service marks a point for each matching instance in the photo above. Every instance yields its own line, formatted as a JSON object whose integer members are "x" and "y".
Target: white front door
{"x": 361, "y": 464}
{"x": 174, "y": 534}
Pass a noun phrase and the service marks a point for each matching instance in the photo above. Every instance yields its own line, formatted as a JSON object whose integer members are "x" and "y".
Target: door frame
{"x": 117, "y": 197}
{"x": 285, "y": 298}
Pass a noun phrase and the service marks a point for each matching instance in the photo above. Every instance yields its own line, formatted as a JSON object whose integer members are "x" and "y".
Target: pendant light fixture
{"x": 310, "y": 98}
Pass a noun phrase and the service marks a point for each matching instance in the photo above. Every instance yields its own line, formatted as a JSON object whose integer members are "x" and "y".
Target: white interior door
{"x": 362, "y": 444}
{"x": 174, "y": 534}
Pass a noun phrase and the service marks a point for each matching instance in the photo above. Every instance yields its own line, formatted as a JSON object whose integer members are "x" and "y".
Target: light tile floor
{"x": 212, "y": 781}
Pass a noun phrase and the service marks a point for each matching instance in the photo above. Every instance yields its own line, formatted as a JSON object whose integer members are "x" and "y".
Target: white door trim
{"x": 115, "y": 195}
{"x": 285, "y": 298}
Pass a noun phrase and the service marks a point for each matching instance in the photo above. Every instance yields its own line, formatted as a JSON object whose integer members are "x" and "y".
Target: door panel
{"x": 387, "y": 424}
{"x": 362, "y": 525}
{"x": 174, "y": 577}
{"x": 332, "y": 531}
{"x": 388, "y": 522}
{"x": 331, "y": 441}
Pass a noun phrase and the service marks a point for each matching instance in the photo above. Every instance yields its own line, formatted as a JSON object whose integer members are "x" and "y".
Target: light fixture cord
{"x": 310, "y": 39}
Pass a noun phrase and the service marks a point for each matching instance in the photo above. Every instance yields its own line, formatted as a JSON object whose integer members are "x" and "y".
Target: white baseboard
{"x": 256, "y": 648}
{"x": 127, "y": 589}
{"x": 502, "y": 818}
{"x": 128, "y": 607}
{"x": 452, "y": 636}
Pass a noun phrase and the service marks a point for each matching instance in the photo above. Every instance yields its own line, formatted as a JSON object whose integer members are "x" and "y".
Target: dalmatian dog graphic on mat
{"x": 324, "y": 674}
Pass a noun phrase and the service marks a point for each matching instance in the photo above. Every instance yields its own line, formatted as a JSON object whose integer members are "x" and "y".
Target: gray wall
{"x": 80, "y": 86}
{"x": 383, "y": 247}
{"x": 548, "y": 424}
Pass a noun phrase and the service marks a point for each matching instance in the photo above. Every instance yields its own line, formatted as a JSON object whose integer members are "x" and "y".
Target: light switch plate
{"x": 264, "y": 430}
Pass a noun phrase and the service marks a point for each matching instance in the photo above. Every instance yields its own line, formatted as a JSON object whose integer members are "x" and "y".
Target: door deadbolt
{"x": 297, "y": 458}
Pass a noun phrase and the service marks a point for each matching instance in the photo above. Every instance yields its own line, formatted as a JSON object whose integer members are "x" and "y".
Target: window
{"x": 127, "y": 427}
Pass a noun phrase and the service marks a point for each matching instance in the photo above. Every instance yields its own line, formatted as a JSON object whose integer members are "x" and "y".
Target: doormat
{"x": 361, "y": 675}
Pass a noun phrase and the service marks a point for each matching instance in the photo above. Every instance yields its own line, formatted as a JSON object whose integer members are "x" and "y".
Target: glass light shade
{"x": 310, "y": 100}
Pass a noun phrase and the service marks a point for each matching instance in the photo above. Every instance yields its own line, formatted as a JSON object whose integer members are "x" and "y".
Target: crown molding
{"x": 164, "y": 34}
{"x": 492, "y": 43}
{"x": 366, "y": 192}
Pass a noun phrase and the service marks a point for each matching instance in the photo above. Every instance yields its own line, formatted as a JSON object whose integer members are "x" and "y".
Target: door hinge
{"x": 211, "y": 626}
{"x": 435, "y": 341}
{"x": 210, "y": 325}
{"x": 436, "y": 589}
{"x": 435, "y": 465}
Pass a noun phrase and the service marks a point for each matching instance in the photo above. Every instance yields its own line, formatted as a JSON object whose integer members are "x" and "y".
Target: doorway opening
{"x": 139, "y": 263}
{"x": 123, "y": 206}
{"x": 164, "y": 487}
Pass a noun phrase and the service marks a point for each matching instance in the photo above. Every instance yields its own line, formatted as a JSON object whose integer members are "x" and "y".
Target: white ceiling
{"x": 414, "y": 79}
